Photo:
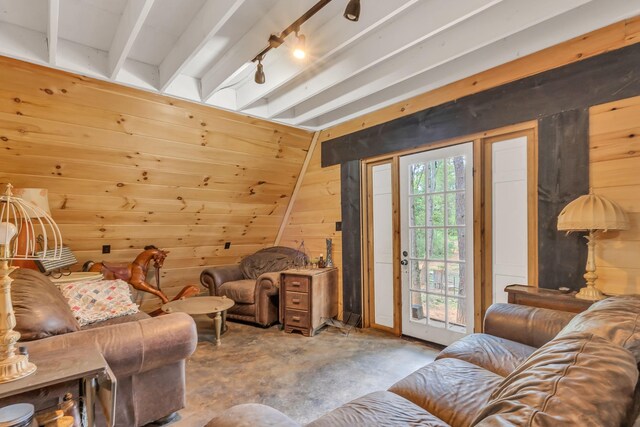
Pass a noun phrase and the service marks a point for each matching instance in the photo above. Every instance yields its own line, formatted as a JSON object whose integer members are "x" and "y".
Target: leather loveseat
{"x": 147, "y": 355}
{"x": 531, "y": 367}
{"x": 253, "y": 284}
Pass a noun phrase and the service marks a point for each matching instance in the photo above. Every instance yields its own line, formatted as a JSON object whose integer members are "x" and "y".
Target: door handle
{"x": 404, "y": 262}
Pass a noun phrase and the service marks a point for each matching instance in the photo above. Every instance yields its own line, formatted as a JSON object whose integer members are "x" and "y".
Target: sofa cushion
{"x": 240, "y": 291}
{"x": 40, "y": 309}
{"x": 616, "y": 319}
{"x": 498, "y": 355}
{"x": 579, "y": 379}
{"x": 451, "y": 389}
{"x": 267, "y": 260}
{"x": 380, "y": 408}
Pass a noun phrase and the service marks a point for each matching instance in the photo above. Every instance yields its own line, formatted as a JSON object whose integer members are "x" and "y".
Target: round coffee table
{"x": 203, "y": 305}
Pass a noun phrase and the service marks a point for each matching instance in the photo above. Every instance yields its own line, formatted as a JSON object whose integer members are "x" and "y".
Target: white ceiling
{"x": 201, "y": 49}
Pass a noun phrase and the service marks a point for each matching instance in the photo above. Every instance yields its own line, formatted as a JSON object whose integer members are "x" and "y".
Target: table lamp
{"x": 594, "y": 214}
{"x": 42, "y": 241}
{"x": 38, "y": 197}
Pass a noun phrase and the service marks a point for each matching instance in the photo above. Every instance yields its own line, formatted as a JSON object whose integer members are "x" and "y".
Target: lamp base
{"x": 590, "y": 293}
{"x": 15, "y": 367}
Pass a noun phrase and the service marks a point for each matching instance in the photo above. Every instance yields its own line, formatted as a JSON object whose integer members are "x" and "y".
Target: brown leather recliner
{"x": 253, "y": 284}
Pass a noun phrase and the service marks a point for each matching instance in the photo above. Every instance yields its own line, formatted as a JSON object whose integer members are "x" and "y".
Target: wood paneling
{"x": 314, "y": 214}
{"x": 614, "y": 171}
{"x": 129, "y": 168}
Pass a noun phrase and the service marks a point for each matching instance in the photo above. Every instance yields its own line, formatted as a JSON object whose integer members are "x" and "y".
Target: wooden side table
{"x": 84, "y": 365}
{"x": 546, "y": 298}
{"x": 308, "y": 298}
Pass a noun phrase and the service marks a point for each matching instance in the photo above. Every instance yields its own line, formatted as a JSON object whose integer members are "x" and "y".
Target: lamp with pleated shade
{"x": 595, "y": 214}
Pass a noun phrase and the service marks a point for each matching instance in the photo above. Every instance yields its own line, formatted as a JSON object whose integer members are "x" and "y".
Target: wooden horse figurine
{"x": 135, "y": 273}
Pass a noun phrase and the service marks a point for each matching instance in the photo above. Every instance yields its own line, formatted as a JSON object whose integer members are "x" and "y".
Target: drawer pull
{"x": 295, "y": 283}
{"x": 295, "y": 300}
{"x": 295, "y": 318}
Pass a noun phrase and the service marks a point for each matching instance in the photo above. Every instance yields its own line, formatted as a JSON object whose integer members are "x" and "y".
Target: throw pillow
{"x": 96, "y": 301}
{"x": 579, "y": 379}
{"x": 615, "y": 318}
{"x": 40, "y": 310}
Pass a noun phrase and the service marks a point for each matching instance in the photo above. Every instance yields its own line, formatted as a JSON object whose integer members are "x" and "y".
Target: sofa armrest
{"x": 252, "y": 415}
{"x": 269, "y": 283}
{"x": 212, "y": 278}
{"x": 532, "y": 326}
{"x": 133, "y": 347}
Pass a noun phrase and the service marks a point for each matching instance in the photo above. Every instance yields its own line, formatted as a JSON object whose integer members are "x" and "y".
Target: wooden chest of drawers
{"x": 308, "y": 298}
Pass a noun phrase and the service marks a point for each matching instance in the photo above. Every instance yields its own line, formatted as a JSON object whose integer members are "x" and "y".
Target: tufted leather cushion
{"x": 240, "y": 291}
{"x": 40, "y": 308}
{"x": 381, "y": 408}
{"x": 616, "y": 319}
{"x": 495, "y": 354}
{"x": 453, "y": 390}
{"x": 579, "y": 379}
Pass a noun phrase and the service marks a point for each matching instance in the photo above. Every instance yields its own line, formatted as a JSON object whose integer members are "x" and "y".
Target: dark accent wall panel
{"x": 563, "y": 175}
{"x": 558, "y": 98}
{"x": 596, "y": 80}
{"x": 351, "y": 236}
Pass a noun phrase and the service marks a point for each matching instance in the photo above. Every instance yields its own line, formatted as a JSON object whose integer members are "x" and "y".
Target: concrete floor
{"x": 302, "y": 377}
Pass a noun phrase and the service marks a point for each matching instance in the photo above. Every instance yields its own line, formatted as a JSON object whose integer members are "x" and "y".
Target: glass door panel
{"x": 436, "y": 195}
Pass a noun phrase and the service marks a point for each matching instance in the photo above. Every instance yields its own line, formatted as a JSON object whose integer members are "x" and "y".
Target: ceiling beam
{"x": 577, "y": 22}
{"x": 207, "y": 22}
{"x": 420, "y": 23}
{"x": 323, "y": 41}
{"x": 52, "y": 30}
{"x": 133, "y": 16}
{"x": 281, "y": 15}
{"x": 475, "y": 33}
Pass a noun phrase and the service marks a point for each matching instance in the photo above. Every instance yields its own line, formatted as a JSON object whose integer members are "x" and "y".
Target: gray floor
{"x": 302, "y": 377}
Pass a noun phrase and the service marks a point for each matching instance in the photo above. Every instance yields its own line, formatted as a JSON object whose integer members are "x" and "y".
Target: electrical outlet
{"x": 338, "y": 225}
{"x": 227, "y": 245}
{"x": 106, "y": 249}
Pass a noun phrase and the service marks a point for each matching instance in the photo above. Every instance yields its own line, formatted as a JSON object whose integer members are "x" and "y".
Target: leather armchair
{"x": 256, "y": 298}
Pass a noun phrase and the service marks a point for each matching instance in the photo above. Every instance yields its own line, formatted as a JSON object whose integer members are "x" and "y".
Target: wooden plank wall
{"x": 129, "y": 168}
{"x": 315, "y": 212}
{"x": 615, "y": 173}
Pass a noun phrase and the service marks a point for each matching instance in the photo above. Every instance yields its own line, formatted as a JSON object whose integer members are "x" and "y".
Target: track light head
{"x": 352, "y": 11}
{"x": 299, "y": 50}
{"x": 260, "y": 78}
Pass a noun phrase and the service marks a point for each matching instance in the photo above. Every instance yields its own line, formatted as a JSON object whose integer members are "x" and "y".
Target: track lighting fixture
{"x": 259, "y": 78}
{"x": 352, "y": 11}
{"x": 299, "y": 50}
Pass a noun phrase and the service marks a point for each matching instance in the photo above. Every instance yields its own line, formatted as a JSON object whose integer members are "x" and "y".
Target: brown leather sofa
{"x": 253, "y": 284}
{"x": 531, "y": 367}
{"x": 147, "y": 355}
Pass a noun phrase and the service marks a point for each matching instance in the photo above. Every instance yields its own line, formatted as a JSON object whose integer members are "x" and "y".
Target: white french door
{"x": 436, "y": 218}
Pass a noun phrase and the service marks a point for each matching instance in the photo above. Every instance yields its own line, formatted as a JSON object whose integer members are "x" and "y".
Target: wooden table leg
{"x": 224, "y": 321}
{"x": 217, "y": 324}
